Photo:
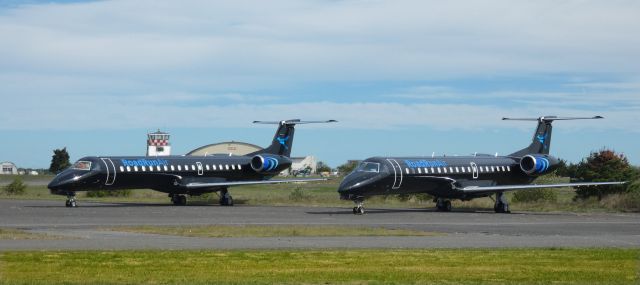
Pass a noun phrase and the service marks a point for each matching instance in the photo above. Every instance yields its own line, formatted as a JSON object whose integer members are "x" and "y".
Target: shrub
{"x": 604, "y": 165}
{"x": 622, "y": 202}
{"x": 17, "y": 187}
{"x": 534, "y": 195}
{"x": 109, "y": 193}
{"x": 298, "y": 194}
{"x": 420, "y": 197}
{"x": 634, "y": 187}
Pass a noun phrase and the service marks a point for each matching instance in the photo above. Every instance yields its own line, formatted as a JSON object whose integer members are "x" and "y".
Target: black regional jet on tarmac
{"x": 182, "y": 175}
{"x": 458, "y": 177}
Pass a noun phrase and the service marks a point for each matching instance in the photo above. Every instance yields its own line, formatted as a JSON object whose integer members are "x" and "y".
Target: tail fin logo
{"x": 542, "y": 139}
{"x": 283, "y": 141}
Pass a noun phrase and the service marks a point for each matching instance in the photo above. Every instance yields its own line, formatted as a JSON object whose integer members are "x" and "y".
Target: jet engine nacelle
{"x": 269, "y": 163}
{"x": 535, "y": 164}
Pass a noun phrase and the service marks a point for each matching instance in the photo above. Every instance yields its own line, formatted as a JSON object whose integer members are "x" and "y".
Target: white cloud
{"x": 78, "y": 113}
{"x": 120, "y": 64}
{"x": 326, "y": 40}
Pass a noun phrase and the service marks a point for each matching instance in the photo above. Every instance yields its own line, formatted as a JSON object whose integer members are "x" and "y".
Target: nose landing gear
{"x": 359, "y": 208}
{"x": 71, "y": 201}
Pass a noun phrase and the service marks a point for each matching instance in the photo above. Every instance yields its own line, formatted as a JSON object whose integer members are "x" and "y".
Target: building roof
{"x": 158, "y": 132}
{"x": 224, "y": 144}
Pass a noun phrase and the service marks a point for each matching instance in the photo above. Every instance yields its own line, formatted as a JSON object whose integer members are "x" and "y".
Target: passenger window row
{"x": 457, "y": 169}
{"x": 178, "y": 167}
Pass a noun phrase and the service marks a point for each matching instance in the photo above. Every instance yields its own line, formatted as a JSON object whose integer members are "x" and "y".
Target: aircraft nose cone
{"x": 62, "y": 182}
{"x": 345, "y": 186}
{"x": 55, "y": 183}
{"x": 348, "y": 187}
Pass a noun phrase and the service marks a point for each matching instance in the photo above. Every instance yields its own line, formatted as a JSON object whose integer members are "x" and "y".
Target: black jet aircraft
{"x": 182, "y": 175}
{"x": 459, "y": 177}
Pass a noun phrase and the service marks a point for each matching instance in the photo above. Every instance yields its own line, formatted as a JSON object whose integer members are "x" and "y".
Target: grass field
{"x": 323, "y": 193}
{"x": 486, "y": 266}
{"x": 15, "y": 234}
{"x": 218, "y": 231}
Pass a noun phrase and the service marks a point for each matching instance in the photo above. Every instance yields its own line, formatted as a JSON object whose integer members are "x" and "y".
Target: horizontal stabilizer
{"x": 293, "y": 122}
{"x": 552, "y": 118}
{"x": 541, "y": 141}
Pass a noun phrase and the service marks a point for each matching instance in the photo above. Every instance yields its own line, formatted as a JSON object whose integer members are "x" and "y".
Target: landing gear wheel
{"x": 443, "y": 205}
{"x": 71, "y": 202}
{"x": 359, "y": 208}
{"x": 179, "y": 200}
{"x": 501, "y": 208}
{"x": 447, "y": 206}
{"x": 501, "y": 205}
{"x": 225, "y": 198}
{"x": 182, "y": 200}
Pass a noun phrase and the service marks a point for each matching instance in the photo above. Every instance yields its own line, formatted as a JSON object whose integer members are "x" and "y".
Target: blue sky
{"x": 402, "y": 77}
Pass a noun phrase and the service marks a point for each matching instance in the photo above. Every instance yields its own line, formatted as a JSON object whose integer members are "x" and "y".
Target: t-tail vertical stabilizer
{"x": 283, "y": 139}
{"x": 541, "y": 141}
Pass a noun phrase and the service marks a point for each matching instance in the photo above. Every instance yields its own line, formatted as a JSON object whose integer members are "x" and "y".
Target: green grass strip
{"x": 15, "y": 234}
{"x": 424, "y": 266}
{"x": 220, "y": 231}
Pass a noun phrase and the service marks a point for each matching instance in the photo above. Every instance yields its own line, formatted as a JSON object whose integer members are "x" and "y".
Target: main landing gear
{"x": 443, "y": 205}
{"x": 359, "y": 208}
{"x": 501, "y": 205}
{"x": 178, "y": 200}
{"x": 225, "y": 198}
{"x": 71, "y": 201}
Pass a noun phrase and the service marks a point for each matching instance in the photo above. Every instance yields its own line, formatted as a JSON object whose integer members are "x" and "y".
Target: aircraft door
{"x": 397, "y": 174}
{"x": 111, "y": 171}
{"x": 474, "y": 169}
{"x": 199, "y": 166}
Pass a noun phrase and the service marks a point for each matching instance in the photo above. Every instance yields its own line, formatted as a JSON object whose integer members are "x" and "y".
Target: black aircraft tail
{"x": 283, "y": 139}
{"x": 541, "y": 141}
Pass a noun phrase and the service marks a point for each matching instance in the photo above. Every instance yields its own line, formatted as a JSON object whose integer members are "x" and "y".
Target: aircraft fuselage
{"x": 168, "y": 174}
{"x": 409, "y": 175}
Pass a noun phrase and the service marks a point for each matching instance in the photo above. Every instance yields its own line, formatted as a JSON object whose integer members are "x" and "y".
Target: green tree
{"x": 59, "y": 160}
{"x": 347, "y": 167}
{"x": 322, "y": 167}
{"x": 17, "y": 187}
{"x": 565, "y": 169}
{"x": 604, "y": 165}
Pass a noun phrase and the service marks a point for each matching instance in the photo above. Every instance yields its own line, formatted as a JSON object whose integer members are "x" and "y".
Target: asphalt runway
{"x": 86, "y": 227}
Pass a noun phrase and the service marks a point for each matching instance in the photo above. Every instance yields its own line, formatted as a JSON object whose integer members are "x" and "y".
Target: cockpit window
{"x": 369, "y": 167}
{"x": 82, "y": 165}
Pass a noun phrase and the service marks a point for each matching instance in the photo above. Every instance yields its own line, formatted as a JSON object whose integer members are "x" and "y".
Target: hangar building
{"x": 240, "y": 148}
{"x": 235, "y": 148}
{"x": 7, "y": 168}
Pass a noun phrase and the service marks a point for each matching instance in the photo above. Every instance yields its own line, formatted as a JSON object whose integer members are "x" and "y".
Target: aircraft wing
{"x": 196, "y": 185}
{"x": 500, "y": 188}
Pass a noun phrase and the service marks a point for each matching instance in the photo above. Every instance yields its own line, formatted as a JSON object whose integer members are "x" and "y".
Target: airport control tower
{"x": 158, "y": 144}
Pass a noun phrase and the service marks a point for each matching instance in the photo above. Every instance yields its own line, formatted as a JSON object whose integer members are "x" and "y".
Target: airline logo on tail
{"x": 283, "y": 141}
{"x": 542, "y": 139}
